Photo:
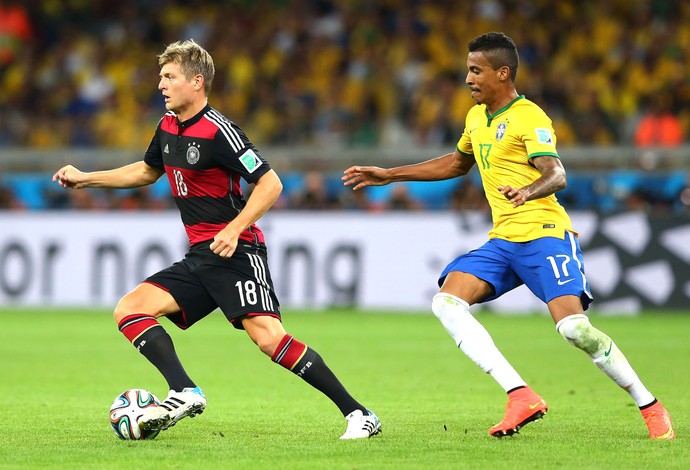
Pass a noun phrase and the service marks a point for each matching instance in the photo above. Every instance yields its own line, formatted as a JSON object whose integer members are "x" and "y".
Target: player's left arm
{"x": 552, "y": 179}
{"x": 266, "y": 191}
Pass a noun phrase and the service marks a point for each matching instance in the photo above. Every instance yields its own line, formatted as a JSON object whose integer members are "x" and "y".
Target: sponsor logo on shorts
{"x": 560, "y": 282}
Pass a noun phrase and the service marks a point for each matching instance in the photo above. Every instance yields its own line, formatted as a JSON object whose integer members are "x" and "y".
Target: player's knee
{"x": 128, "y": 305}
{"x": 267, "y": 341}
{"x": 120, "y": 312}
{"x": 579, "y": 332}
{"x": 265, "y": 331}
{"x": 443, "y": 303}
{"x": 454, "y": 314}
{"x": 267, "y": 344}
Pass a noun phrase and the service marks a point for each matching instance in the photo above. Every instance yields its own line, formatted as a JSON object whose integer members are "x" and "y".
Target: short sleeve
{"x": 539, "y": 137}
{"x": 235, "y": 152}
{"x": 154, "y": 156}
{"x": 465, "y": 143}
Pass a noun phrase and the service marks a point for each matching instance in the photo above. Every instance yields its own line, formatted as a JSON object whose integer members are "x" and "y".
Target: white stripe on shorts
{"x": 260, "y": 274}
{"x": 573, "y": 247}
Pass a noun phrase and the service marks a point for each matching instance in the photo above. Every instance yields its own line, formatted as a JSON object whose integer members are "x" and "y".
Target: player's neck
{"x": 192, "y": 110}
{"x": 502, "y": 101}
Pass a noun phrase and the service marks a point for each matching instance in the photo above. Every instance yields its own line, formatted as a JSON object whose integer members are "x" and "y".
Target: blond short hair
{"x": 192, "y": 59}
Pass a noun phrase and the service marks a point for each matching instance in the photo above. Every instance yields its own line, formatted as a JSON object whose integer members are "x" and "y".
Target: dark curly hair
{"x": 498, "y": 49}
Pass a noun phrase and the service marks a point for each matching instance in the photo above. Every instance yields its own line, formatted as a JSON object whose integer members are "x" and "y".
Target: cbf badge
{"x": 501, "y": 131}
{"x": 193, "y": 154}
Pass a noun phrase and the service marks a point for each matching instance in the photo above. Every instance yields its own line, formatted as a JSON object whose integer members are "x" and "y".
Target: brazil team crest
{"x": 501, "y": 131}
{"x": 193, "y": 154}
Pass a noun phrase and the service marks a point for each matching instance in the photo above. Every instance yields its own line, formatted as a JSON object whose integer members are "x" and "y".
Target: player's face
{"x": 482, "y": 79}
{"x": 179, "y": 93}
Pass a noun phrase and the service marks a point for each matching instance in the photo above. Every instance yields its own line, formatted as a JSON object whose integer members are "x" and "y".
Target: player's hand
{"x": 224, "y": 244}
{"x": 69, "y": 177}
{"x": 515, "y": 195}
{"x": 361, "y": 176}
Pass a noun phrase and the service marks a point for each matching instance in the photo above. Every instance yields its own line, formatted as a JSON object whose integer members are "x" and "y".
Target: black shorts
{"x": 203, "y": 281}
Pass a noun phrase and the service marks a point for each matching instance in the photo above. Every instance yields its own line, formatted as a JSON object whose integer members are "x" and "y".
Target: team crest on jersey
{"x": 501, "y": 131}
{"x": 544, "y": 136}
{"x": 250, "y": 161}
{"x": 193, "y": 154}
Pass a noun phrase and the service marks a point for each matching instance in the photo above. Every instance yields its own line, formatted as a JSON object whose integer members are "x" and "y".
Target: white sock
{"x": 601, "y": 349}
{"x": 473, "y": 339}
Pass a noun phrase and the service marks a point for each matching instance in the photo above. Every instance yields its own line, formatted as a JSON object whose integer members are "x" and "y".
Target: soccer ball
{"x": 126, "y": 411}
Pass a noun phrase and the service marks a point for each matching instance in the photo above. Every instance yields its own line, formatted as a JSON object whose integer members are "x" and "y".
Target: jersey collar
{"x": 490, "y": 117}
{"x": 194, "y": 119}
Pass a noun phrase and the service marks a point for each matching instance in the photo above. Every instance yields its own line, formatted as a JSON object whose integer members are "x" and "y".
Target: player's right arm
{"x": 448, "y": 166}
{"x": 129, "y": 176}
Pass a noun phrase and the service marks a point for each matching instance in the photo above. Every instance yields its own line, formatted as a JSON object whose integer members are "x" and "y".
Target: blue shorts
{"x": 548, "y": 266}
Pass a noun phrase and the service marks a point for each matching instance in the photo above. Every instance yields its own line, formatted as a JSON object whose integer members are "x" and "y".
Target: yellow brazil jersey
{"x": 502, "y": 145}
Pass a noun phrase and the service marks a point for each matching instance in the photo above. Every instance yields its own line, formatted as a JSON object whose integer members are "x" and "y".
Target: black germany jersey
{"x": 204, "y": 158}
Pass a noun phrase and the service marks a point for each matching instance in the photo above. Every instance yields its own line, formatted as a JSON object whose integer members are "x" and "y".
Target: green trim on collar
{"x": 490, "y": 117}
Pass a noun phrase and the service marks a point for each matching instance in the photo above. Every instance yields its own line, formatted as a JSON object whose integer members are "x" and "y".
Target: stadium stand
{"x": 337, "y": 74}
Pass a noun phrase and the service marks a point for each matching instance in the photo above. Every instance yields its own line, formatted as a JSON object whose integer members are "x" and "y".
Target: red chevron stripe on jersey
{"x": 213, "y": 182}
{"x": 205, "y": 231}
{"x": 203, "y": 129}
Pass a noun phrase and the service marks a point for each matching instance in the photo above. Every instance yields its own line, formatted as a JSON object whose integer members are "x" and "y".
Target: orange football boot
{"x": 524, "y": 406}
{"x": 658, "y": 422}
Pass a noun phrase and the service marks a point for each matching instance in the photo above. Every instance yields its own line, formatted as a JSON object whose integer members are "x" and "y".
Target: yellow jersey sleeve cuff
{"x": 464, "y": 153}
{"x": 543, "y": 154}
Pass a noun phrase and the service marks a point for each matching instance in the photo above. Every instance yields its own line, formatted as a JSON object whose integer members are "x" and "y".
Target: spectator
{"x": 314, "y": 195}
{"x": 333, "y": 73}
{"x": 15, "y": 30}
{"x": 401, "y": 200}
{"x": 683, "y": 199}
{"x": 659, "y": 127}
{"x": 357, "y": 201}
{"x": 468, "y": 197}
{"x": 8, "y": 200}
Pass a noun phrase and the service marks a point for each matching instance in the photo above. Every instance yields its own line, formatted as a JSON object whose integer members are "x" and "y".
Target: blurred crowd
{"x": 79, "y": 73}
{"x": 345, "y": 73}
{"x": 657, "y": 193}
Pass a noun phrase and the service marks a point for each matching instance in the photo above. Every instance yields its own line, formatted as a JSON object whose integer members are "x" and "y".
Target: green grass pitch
{"x": 61, "y": 371}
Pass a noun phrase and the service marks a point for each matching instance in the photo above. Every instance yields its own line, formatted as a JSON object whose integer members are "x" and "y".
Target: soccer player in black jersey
{"x": 204, "y": 155}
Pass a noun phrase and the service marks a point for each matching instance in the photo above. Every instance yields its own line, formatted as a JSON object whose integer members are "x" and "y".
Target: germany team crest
{"x": 193, "y": 154}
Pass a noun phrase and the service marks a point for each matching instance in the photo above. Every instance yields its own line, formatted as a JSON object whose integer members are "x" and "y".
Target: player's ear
{"x": 198, "y": 82}
{"x": 504, "y": 73}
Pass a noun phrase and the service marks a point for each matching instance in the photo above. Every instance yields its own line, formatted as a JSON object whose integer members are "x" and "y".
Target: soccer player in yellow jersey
{"x": 532, "y": 242}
